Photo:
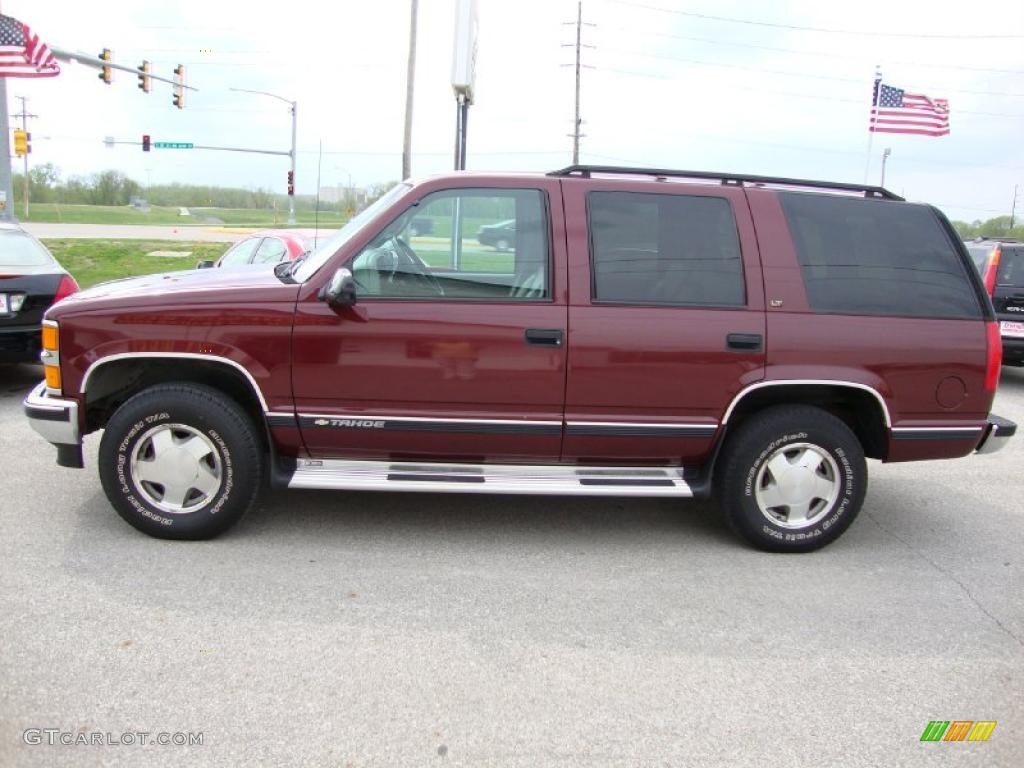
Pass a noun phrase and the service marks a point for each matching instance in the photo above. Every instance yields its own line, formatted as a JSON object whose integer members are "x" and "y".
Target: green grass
{"x": 168, "y": 216}
{"x": 94, "y": 261}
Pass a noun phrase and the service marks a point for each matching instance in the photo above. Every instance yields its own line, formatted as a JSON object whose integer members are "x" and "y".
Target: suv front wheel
{"x": 792, "y": 479}
{"x": 180, "y": 461}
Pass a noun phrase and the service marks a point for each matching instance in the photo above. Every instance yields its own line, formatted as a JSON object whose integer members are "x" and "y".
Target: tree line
{"x": 1000, "y": 226}
{"x": 113, "y": 187}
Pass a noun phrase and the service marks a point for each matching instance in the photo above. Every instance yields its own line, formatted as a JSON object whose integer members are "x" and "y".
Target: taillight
{"x": 66, "y": 288}
{"x": 991, "y": 269}
{"x": 995, "y": 356}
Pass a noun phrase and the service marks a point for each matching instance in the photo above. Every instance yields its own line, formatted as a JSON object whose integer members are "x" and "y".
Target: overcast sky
{"x": 661, "y": 88}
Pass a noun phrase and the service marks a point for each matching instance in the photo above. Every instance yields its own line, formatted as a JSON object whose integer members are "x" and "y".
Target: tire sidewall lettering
{"x": 840, "y": 507}
{"x": 125, "y": 482}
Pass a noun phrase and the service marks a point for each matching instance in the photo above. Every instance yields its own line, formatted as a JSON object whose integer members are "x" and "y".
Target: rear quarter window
{"x": 1011, "y": 267}
{"x": 19, "y": 250}
{"x": 873, "y": 257}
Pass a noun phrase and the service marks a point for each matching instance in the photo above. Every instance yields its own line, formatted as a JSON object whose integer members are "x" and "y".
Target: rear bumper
{"x": 1013, "y": 350}
{"x": 56, "y": 421}
{"x": 20, "y": 344}
{"x": 997, "y": 432}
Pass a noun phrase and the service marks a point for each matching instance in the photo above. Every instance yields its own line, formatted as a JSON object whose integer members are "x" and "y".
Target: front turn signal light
{"x": 50, "y": 339}
{"x": 52, "y": 376}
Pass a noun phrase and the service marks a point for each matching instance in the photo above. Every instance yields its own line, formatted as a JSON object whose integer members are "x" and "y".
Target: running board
{"x": 554, "y": 479}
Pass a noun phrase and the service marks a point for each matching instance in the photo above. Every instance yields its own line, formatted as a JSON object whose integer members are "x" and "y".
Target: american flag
{"x": 22, "y": 53}
{"x": 893, "y": 110}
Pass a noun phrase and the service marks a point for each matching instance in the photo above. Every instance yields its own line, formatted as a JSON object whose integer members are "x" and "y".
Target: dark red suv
{"x": 649, "y": 333}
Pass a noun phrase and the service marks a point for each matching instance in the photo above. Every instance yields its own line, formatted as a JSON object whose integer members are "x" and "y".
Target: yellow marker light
{"x": 50, "y": 340}
{"x": 52, "y": 376}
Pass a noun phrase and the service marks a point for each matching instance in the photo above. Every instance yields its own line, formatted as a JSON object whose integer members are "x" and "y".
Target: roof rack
{"x": 990, "y": 238}
{"x": 728, "y": 179}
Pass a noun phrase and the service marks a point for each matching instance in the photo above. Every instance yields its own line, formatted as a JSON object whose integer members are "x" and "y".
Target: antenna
{"x": 316, "y": 214}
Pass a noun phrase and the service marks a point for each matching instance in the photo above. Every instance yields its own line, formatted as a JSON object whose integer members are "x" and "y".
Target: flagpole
{"x": 875, "y": 94}
{"x": 6, "y": 182}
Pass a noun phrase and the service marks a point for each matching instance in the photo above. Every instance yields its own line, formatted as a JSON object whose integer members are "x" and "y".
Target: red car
{"x": 651, "y": 333}
{"x": 267, "y": 247}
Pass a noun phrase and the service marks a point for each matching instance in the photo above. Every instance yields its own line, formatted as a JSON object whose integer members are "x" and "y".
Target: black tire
{"x": 234, "y": 459}
{"x": 502, "y": 245}
{"x": 790, "y": 433}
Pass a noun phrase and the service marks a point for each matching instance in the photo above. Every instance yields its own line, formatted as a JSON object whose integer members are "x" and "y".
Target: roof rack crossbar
{"x": 586, "y": 171}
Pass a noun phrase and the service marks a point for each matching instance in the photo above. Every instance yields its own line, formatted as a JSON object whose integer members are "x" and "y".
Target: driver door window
{"x": 479, "y": 244}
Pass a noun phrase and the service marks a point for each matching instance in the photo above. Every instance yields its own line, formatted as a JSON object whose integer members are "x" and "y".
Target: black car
{"x": 1001, "y": 264}
{"x": 31, "y": 281}
{"x": 501, "y": 235}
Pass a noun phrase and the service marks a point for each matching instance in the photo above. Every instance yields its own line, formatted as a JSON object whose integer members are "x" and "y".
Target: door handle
{"x": 752, "y": 341}
{"x": 544, "y": 337}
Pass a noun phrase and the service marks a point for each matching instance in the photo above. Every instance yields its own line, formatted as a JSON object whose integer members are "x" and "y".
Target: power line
{"x": 819, "y": 54}
{"x": 812, "y": 96}
{"x": 824, "y": 30}
{"x": 859, "y": 82}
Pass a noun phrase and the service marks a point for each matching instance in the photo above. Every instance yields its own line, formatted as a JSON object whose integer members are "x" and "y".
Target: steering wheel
{"x": 419, "y": 268}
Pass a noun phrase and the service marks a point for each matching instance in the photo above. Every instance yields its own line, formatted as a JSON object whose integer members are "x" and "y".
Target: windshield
{"x": 19, "y": 250}
{"x": 330, "y": 246}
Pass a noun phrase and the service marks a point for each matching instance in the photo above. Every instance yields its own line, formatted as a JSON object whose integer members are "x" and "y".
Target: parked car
{"x": 31, "y": 281}
{"x": 1001, "y": 264}
{"x": 421, "y": 225}
{"x": 643, "y": 341}
{"x": 267, "y": 247}
{"x": 501, "y": 235}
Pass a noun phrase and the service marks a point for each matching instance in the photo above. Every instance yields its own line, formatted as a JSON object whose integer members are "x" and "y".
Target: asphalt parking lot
{"x": 394, "y": 630}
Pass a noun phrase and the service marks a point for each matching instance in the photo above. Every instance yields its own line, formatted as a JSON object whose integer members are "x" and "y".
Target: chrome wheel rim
{"x": 797, "y": 486}
{"x": 176, "y": 468}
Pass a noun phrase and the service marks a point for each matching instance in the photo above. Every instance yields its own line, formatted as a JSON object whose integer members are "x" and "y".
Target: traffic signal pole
{"x": 291, "y": 194}
{"x": 24, "y": 115}
{"x": 294, "y": 106}
{"x": 6, "y": 183}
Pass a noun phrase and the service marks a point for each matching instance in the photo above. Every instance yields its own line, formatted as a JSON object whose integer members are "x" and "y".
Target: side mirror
{"x": 341, "y": 290}
{"x": 205, "y": 264}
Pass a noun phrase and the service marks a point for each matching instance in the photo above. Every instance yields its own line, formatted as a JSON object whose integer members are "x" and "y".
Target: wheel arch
{"x": 861, "y": 407}
{"x": 113, "y": 379}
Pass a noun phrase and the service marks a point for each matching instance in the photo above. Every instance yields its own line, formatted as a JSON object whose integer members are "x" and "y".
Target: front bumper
{"x": 56, "y": 420}
{"x": 998, "y": 431}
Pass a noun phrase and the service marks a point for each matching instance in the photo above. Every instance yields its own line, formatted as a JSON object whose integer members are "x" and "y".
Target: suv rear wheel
{"x": 180, "y": 461}
{"x": 792, "y": 479}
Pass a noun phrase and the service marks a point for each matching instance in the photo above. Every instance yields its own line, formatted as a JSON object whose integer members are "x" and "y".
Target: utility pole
{"x": 24, "y": 115}
{"x": 1013, "y": 207}
{"x": 576, "y": 123}
{"x": 409, "y": 83}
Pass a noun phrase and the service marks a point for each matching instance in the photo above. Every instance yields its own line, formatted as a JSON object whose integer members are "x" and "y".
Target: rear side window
{"x": 664, "y": 249}
{"x": 979, "y": 255}
{"x": 868, "y": 257}
{"x": 19, "y": 250}
{"x": 1011, "y": 267}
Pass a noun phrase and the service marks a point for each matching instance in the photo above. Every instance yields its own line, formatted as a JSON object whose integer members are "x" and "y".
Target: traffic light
{"x": 145, "y": 142}
{"x": 21, "y": 142}
{"x": 107, "y": 73}
{"x": 179, "y": 86}
{"x": 291, "y": 182}
{"x": 145, "y": 84}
